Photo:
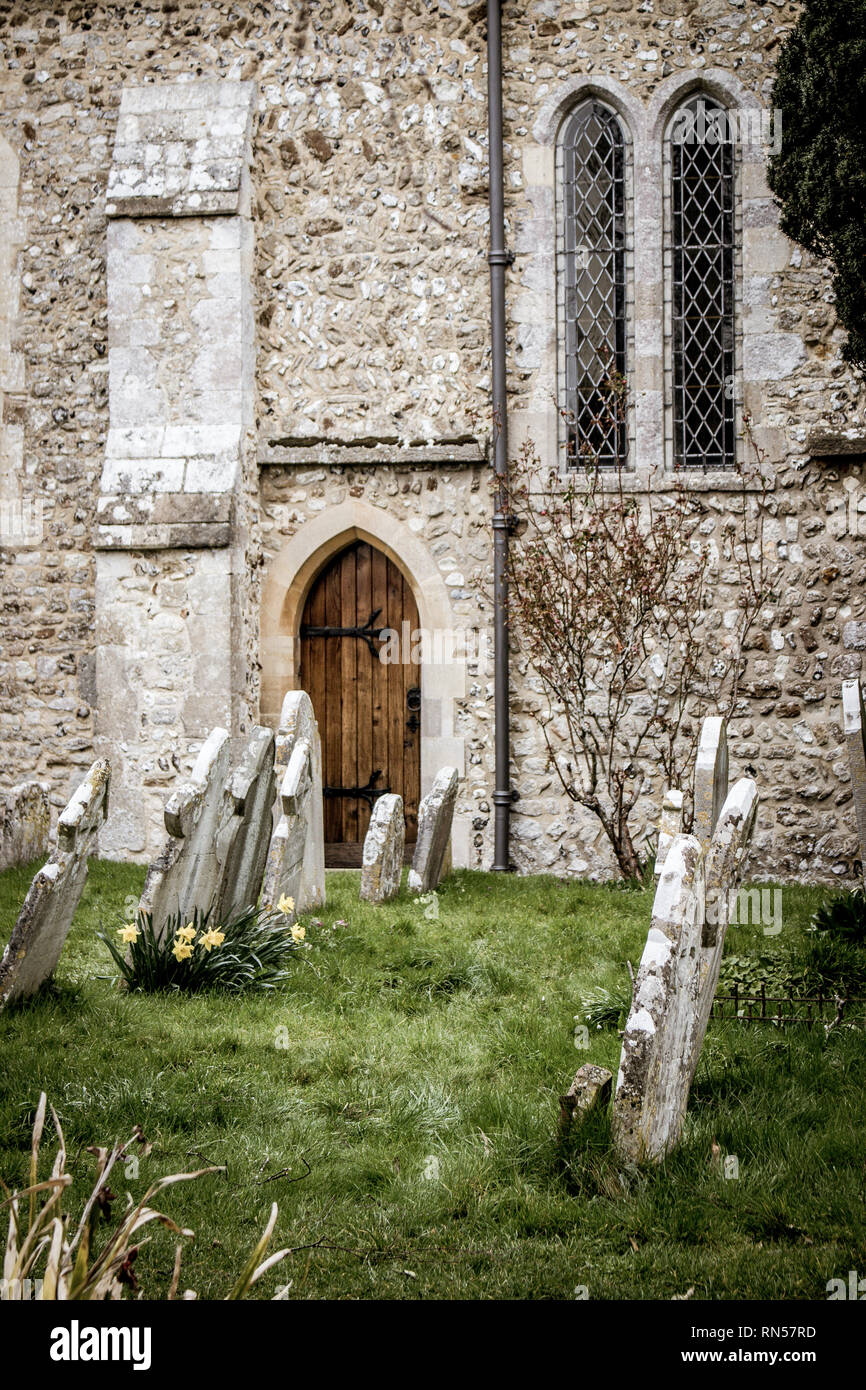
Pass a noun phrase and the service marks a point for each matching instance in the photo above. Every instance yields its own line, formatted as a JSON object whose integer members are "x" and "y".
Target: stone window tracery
{"x": 593, "y": 266}
{"x": 700, "y": 256}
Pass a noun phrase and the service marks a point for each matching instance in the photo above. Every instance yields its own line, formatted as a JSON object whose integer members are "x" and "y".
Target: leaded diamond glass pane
{"x": 594, "y": 290}
{"x": 702, "y": 205}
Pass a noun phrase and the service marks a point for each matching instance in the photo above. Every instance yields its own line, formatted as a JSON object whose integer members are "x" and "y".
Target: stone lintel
{"x": 164, "y": 508}
{"x": 186, "y": 536}
{"x": 164, "y": 521}
{"x": 214, "y": 204}
{"x": 371, "y": 453}
{"x": 829, "y": 443}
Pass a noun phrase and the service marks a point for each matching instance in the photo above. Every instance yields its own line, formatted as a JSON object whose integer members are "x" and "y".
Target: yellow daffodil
{"x": 129, "y": 933}
{"x": 209, "y": 939}
{"x": 298, "y": 932}
{"x": 286, "y": 905}
{"x": 186, "y": 933}
{"x": 181, "y": 950}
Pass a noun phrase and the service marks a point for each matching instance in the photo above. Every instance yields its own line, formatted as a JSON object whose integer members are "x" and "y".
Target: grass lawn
{"x": 408, "y": 1128}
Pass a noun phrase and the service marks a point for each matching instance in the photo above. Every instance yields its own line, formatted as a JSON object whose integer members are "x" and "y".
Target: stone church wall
{"x": 368, "y": 222}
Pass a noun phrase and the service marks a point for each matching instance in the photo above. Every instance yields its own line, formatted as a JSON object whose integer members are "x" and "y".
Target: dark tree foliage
{"x": 819, "y": 175}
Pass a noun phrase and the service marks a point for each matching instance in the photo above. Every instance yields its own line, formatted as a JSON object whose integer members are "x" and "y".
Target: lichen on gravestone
{"x": 198, "y": 817}
{"x": 653, "y": 1081}
{"x": 590, "y": 1090}
{"x": 670, "y": 825}
{"x": 251, "y": 790}
{"x": 711, "y": 777}
{"x": 726, "y": 860}
{"x": 435, "y": 815}
{"x": 43, "y": 923}
{"x": 296, "y": 856}
{"x": 382, "y": 858}
{"x": 676, "y": 981}
{"x": 25, "y": 823}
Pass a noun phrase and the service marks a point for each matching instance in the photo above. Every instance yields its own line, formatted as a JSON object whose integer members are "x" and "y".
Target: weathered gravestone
{"x": 670, "y": 826}
{"x": 382, "y": 860}
{"x": 854, "y": 729}
{"x": 25, "y": 820}
{"x": 726, "y": 861}
{"x": 676, "y": 980}
{"x": 652, "y": 1086}
{"x": 590, "y": 1090}
{"x": 296, "y": 857}
{"x": 711, "y": 777}
{"x": 198, "y": 818}
{"x": 46, "y": 916}
{"x": 251, "y": 790}
{"x": 435, "y": 815}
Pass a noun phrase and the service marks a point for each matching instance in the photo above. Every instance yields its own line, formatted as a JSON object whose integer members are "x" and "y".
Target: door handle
{"x": 413, "y": 705}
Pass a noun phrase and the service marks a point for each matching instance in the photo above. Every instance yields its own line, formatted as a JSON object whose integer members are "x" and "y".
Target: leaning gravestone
{"x": 46, "y": 916}
{"x": 251, "y": 790}
{"x": 382, "y": 860}
{"x": 854, "y": 728}
{"x": 296, "y": 857}
{"x": 726, "y": 861}
{"x": 670, "y": 826}
{"x": 677, "y": 979}
{"x": 25, "y": 820}
{"x": 198, "y": 818}
{"x": 652, "y": 1086}
{"x": 711, "y": 777}
{"x": 435, "y": 815}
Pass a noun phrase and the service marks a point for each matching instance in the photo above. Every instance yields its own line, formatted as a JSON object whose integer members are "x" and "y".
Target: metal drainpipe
{"x": 498, "y": 259}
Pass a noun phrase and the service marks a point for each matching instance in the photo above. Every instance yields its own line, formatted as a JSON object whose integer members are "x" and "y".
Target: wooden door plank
{"x": 411, "y": 738}
{"x": 333, "y": 760}
{"x": 394, "y": 597}
{"x": 380, "y": 673}
{"x": 349, "y": 668}
{"x": 364, "y": 690}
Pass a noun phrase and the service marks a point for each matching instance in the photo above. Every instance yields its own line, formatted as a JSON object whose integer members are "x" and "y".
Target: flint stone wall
{"x": 369, "y": 286}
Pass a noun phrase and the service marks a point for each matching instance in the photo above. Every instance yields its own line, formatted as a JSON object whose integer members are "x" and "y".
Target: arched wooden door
{"x": 368, "y": 711}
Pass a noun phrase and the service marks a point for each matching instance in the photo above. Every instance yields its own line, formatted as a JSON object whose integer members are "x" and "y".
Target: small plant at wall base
{"x": 609, "y": 596}
{"x": 819, "y": 174}
{"x": 252, "y": 951}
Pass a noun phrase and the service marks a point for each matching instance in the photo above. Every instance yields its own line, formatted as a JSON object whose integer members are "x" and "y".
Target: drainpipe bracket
{"x": 500, "y": 257}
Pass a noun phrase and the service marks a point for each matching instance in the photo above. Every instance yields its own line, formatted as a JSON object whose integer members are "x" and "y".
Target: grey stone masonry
{"x": 382, "y": 860}
{"x": 435, "y": 815}
{"x": 46, "y": 916}
{"x": 179, "y": 466}
{"x": 25, "y": 820}
{"x": 180, "y": 149}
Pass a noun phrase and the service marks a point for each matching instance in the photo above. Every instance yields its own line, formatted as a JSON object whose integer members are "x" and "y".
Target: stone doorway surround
{"x": 284, "y": 593}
